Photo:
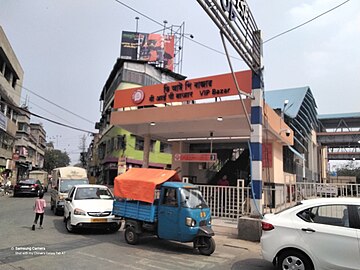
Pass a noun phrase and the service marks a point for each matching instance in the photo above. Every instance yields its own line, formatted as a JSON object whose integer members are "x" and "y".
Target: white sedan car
{"x": 90, "y": 206}
{"x": 316, "y": 234}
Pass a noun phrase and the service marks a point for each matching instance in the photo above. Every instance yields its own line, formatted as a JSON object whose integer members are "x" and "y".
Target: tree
{"x": 55, "y": 158}
{"x": 350, "y": 169}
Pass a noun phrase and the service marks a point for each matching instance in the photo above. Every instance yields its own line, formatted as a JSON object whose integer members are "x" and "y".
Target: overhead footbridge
{"x": 340, "y": 133}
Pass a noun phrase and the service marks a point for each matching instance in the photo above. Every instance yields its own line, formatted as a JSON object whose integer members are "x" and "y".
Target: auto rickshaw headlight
{"x": 190, "y": 222}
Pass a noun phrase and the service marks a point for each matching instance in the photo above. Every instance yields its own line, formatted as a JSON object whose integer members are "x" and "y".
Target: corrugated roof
{"x": 276, "y": 98}
{"x": 338, "y": 116}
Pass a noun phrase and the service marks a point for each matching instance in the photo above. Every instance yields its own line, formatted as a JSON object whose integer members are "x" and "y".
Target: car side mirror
{"x": 68, "y": 199}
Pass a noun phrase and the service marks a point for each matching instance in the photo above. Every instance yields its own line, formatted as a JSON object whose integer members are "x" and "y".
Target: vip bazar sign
{"x": 185, "y": 90}
{"x": 237, "y": 9}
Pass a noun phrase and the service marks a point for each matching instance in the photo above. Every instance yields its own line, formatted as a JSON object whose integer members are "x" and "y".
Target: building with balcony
{"x": 114, "y": 148}
{"x": 11, "y": 78}
{"x": 38, "y": 145}
{"x": 22, "y": 162}
{"x": 22, "y": 144}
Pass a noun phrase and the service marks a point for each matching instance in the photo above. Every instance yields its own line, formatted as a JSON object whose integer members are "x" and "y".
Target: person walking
{"x": 39, "y": 210}
{"x": 223, "y": 181}
{"x": 7, "y": 187}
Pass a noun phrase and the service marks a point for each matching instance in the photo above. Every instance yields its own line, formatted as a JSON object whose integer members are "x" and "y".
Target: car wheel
{"x": 208, "y": 247}
{"x": 56, "y": 211}
{"x": 68, "y": 226}
{"x": 131, "y": 237}
{"x": 295, "y": 260}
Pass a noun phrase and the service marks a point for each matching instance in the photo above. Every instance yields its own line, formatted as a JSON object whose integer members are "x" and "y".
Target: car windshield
{"x": 192, "y": 198}
{"x": 28, "y": 181}
{"x": 66, "y": 184}
{"x": 90, "y": 193}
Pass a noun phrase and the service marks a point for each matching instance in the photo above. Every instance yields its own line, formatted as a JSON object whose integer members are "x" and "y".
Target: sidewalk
{"x": 227, "y": 227}
{"x": 226, "y": 234}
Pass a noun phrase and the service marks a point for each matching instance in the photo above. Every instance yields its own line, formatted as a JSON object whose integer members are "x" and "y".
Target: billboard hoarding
{"x": 155, "y": 48}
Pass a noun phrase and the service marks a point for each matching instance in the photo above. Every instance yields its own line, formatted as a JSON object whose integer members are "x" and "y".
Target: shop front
{"x": 203, "y": 116}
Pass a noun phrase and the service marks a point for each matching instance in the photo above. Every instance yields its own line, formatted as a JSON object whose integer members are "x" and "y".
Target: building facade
{"x": 11, "y": 78}
{"x": 37, "y": 145}
{"x": 115, "y": 149}
{"x": 22, "y": 143}
{"x": 298, "y": 108}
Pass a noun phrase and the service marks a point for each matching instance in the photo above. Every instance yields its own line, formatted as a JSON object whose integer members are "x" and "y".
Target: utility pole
{"x": 82, "y": 148}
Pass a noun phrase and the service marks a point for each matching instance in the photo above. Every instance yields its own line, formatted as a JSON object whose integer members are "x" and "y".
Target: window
{"x": 139, "y": 143}
{"x": 101, "y": 150}
{"x": 335, "y": 215}
{"x": 15, "y": 117}
{"x": 23, "y": 127}
{"x": 2, "y": 62}
{"x": 112, "y": 140}
{"x": 2, "y": 105}
{"x": 121, "y": 142}
{"x": 170, "y": 197}
{"x": 8, "y": 74}
{"x": 165, "y": 148}
{"x": 8, "y": 113}
{"x": 14, "y": 83}
{"x": 152, "y": 145}
{"x": 71, "y": 193}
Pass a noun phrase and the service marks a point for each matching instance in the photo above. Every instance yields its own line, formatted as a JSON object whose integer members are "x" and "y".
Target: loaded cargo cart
{"x": 155, "y": 201}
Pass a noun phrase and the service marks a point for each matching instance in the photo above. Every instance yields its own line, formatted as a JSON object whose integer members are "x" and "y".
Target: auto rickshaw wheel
{"x": 131, "y": 237}
{"x": 207, "y": 246}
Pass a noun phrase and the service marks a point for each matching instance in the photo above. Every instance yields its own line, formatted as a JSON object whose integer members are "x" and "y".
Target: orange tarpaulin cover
{"x": 140, "y": 183}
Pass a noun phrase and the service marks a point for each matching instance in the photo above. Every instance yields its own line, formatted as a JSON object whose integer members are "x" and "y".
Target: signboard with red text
{"x": 185, "y": 90}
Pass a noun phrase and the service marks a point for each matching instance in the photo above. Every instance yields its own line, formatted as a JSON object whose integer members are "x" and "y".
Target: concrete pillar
{"x": 256, "y": 146}
{"x": 178, "y": 148}
{"x": 146, "y": 151}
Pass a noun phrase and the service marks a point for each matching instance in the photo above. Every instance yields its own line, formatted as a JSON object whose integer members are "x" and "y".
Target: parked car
{"x": 90, "y": 206}
{"x": 28, "y": 187}
{"x": 316, "y": 234}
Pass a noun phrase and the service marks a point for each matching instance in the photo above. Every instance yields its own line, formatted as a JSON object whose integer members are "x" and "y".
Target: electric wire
{"x": 56, "y": 105}
{"x": 308, "y": 21}
{"x": 45, "y": 118}
{"x": 217, "y": 51}
{"x": 136, "y": 11}
{"x": 34, "y": 104}
{"x": 153, "y": 20}
{"x": 49, "y": 102}
{"x": 192, "y": 40}
{"x": 197, "y": 42}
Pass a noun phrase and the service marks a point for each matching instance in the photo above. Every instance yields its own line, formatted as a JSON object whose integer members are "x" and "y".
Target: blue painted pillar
{"x": 256, "y": 145}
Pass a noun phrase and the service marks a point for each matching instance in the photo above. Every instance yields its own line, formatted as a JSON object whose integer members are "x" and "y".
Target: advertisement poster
{"x": 154, "y": 48}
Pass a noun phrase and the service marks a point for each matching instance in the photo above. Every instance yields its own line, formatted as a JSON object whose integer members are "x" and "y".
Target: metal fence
{"x": 232, "y": 202}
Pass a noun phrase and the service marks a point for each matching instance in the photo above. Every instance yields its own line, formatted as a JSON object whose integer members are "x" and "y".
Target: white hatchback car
{"x": 90, "y": 206}
{"x": 316, "y": 234}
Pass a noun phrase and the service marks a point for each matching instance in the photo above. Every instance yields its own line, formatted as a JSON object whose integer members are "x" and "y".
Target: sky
{"x": 67, "y": 50}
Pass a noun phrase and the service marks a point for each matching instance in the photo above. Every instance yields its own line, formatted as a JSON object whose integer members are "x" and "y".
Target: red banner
{"x": 267, "y": 155}
{"x": 196, "y": 157}
{"x": 185, "y": 90}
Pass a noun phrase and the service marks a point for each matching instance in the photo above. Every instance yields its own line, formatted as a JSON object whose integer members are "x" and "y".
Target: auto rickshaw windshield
{"x": 192, "y": 198}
